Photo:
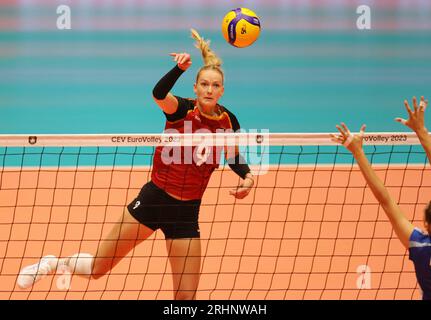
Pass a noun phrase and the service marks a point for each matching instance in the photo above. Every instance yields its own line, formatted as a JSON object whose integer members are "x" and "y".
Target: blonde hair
{"x": 211, "y": 60}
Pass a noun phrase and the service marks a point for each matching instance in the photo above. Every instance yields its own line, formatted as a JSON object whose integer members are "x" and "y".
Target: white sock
{"x": 81, "y": 264}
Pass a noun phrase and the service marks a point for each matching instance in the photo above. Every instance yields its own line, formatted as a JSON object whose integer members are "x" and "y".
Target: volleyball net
{"x": 310, "y": 229}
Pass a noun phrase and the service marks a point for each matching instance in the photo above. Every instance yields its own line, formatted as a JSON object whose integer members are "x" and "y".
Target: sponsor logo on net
{"x": 32, "y": 139}
{"x": 140, "y": 139}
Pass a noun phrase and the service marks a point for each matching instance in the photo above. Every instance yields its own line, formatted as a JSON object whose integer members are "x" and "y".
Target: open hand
{"x": 416, "y": 117}
{"x": 353, "y": 142}
{"x": 183, "y": 60}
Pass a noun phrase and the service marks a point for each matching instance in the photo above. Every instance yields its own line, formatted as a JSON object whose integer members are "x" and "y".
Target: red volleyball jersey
{"x": 185, "y": 171}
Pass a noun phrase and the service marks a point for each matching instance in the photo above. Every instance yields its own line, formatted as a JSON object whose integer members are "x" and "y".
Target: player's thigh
{"x": 123, "y": 237}
{"x": 185, "y": 259}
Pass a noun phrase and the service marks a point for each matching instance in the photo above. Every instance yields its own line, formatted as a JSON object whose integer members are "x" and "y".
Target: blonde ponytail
{"x": 211, "y": 60}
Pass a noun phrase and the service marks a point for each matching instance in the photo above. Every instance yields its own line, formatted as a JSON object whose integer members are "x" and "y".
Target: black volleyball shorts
{"x": 156, "y": 209}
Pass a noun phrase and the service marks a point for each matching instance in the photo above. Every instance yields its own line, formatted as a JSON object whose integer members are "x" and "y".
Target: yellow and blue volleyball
{"x": 241, "y": 27}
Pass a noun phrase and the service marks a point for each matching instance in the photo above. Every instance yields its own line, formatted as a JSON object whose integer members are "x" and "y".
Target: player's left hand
{"x": 243, "y": 189}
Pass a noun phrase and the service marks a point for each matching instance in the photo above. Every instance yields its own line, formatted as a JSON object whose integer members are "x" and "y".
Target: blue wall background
{"x": 310, "y": 69}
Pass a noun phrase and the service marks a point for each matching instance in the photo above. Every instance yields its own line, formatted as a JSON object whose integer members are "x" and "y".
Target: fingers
{"x": 338, "y": 138}
{"x": 180, "y": 58}
{"x": 175, "y": 55}
{"x": 345, "y": 128}
{"x": 362, "y": 130}
{"x": 401, "y": 120}
{"x": 234, "y": 193}
{"x": 415, "y": 104}
{"x": 346, "y": 137}
{"x": 339, "y": 129}
{"x": 240, "y": 193}
{"x": 406, "y": 104}
{"x": 185, "y": 57}
{"x": 423, "y": 104}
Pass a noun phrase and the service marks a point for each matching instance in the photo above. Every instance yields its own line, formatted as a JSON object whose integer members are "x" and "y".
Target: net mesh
{"x": 310, "y": 229}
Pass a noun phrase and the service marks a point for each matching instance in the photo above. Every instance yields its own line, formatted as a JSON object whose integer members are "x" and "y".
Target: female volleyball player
{"x": 171, "y": 200}
{"x": 418, "y": 242}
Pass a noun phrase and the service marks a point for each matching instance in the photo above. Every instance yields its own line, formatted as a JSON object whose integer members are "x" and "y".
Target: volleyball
{"x": 241, "y": 27}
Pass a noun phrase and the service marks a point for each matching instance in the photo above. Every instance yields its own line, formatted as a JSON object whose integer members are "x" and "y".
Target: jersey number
{"x": 202, "y": 153}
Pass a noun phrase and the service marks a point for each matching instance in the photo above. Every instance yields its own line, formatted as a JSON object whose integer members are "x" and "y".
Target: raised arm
{"x": 417, "y": 124}
{"x": 353, "y": 142}
{"x": 161, "y": 92}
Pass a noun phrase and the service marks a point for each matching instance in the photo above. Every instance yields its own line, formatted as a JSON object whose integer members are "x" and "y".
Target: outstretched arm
{"x": 353, "y": 142}
{"x": 161, "y": 92}
{"x": 417, "y": 124}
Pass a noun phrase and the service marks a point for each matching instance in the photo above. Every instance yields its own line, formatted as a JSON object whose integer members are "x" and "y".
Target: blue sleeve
{"x": 419, "y": 245}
